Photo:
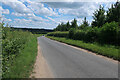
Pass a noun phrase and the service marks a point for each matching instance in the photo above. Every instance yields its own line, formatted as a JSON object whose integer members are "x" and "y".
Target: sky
{"x": 48, "y": 14}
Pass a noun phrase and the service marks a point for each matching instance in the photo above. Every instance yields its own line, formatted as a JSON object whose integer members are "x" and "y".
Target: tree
{"x": 99, "y": 17}
{"x": 58, "y": 27}
{"x": 113, "y": 13}
{"x": 74, "y": 24}
{"x": 84, "y": 24}
{"x": 68, "y": 26}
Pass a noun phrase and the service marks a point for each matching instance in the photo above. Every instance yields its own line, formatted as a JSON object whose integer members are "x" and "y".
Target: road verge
{"x": 97, "y": 49}
{"x": 41, "y": 69}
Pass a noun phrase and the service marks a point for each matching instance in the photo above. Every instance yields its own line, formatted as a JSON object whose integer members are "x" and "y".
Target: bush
{"x": 108, "y": 33}
{"x": 58, "y": 34}
{"x": 79, "y": 35}
{"x": 12, "y": 44}
{"x": 88, "y": 35}
{"x": 91, "y": 35}
{"x": 71, "y": 33}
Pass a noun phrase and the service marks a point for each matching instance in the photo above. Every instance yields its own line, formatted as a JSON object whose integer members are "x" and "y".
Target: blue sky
{"x": 47, "y": 14}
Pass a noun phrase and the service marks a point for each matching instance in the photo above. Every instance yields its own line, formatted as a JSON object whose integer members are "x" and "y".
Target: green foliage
{"x": 58, "y": 34}
{"x": 113, "y": 13}
{"x": 91, "y": 35}
{"x": 84, "y": 24}
{"x": 99, "y": 17}
{"x": 71, "y": 33}
{"x": 13, "y": 44}
{"x": 74, "y": 24}
{"x": 108, "y": 33}
{"x": 67, "y": 26}
{"x": 79, "y": 35}
{"x": 88, "y": 35}
{"x": 62, "y": 27}
{"x": 23, "y": 63}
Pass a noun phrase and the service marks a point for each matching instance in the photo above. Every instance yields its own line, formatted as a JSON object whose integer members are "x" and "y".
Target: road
{"x": 68, "y": 62}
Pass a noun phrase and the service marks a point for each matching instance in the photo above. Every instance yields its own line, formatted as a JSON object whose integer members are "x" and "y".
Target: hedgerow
{"x": 58, "y": 34}
{"x": 107, "y": 34}
{"x": 12, "y": 44}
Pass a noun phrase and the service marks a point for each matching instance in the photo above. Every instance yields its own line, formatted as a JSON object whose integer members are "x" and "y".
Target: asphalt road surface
{"x": 67, "y": 62}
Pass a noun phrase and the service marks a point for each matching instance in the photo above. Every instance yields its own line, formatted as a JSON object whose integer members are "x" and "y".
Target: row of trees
{"x": 113, "y": 14}
{"x": 104, "y": 29}
{"x": 109, "y": 33}
{"x": 99, "y": 18}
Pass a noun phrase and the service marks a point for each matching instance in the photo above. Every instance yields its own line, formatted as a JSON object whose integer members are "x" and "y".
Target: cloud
{"x": 65, "y": 0}
{"x": 48, "y": 14}
{"x": 23, "y": 14}
{"x": 36, "y": 18}
{"x": 52, "y": 19}
{"x": 79, "y": 9}
{"x": 17, "y": 6}
{"x": 4, "y": 11}
{"x": 30, "y": 16}
{"x": 69, "y": 5}
{"x": 27, "y": 6}
{"x": 84, "y": 9}
{"x": 40, "y": 9}
{"x": 5, "y": 19}
{"x": 28, "y": 23}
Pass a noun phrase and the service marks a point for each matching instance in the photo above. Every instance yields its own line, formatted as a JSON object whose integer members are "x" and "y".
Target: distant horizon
{"x": 30, "y": 27}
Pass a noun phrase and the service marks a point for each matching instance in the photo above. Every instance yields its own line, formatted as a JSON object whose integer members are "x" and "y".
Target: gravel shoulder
{"x": 41, "y": 69}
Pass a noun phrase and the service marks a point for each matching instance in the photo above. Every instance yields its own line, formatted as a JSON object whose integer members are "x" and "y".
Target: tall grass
{"x": 23, "y": 63}
{"x": 19, "y": 50}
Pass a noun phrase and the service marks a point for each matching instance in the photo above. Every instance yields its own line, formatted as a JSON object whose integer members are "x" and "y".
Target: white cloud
{"x": 4, "y": 11}
{"x": 36, "y": 18}
{"x": 40, "y": 9}
{"x": 31, "y": 7}
{"x": 6, "y": 20}
{"x": 30, "y": 16}
{"x": 17, "y": 6}
{"x": 49, "y": 14}
{"x": 74, "y": 0}
{"x": 84, "y": 9}
{"x": 51, "y": 19}
{"x": 23, "y": 14}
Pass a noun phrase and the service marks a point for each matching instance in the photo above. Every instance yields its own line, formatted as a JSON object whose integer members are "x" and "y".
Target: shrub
{"x": 71, "y": 33}
{"x": 58, "y": 34}
{"x": 79, "y": 35}
{"x": 12, "y": 43}
{"x": 108, "y": 33}
{"x": 91, "y": 34}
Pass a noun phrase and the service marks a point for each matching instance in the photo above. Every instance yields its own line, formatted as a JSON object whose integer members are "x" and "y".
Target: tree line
{"x": 99, "y": 19}
{"x": 104, "y": 29}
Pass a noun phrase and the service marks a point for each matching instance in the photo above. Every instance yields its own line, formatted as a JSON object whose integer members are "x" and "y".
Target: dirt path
{"x": 41, "y": 69}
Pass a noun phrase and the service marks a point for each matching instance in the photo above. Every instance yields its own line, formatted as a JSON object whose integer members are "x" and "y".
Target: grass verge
{"x": 106, "y": 50}
{"x": 23, "y": 64}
